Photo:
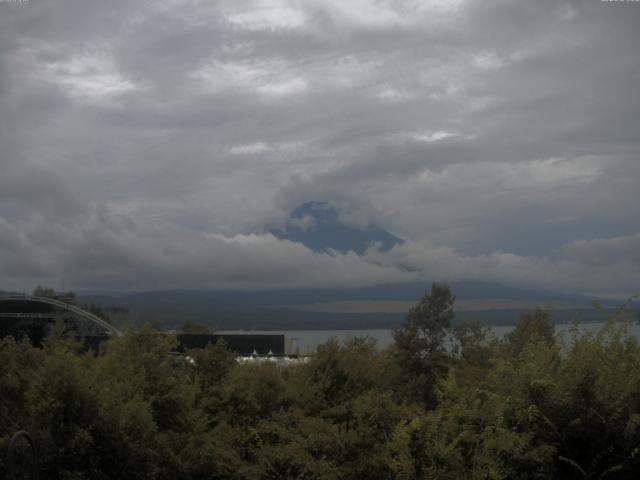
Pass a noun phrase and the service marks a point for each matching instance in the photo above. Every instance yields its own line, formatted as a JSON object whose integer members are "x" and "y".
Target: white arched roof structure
{"x": 79, "y": 312}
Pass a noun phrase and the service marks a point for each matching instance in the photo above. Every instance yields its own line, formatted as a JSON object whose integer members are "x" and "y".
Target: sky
{"x": 152, "y": 144}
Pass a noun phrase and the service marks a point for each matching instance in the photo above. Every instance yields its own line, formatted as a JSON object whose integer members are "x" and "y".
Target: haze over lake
{"x": 308, "y": 340}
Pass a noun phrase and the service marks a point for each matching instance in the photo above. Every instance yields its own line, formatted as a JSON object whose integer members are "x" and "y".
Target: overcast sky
{"x": 150, "y": 144}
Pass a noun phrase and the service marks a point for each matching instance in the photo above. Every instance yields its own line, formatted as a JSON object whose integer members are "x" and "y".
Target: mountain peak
{"x": 318, "y": 226}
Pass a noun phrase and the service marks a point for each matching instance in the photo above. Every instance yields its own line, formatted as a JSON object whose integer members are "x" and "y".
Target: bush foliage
{"x": 441, "y": 403}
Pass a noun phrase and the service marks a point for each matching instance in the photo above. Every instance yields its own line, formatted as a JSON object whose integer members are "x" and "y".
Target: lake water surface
{"x": 308, "y": 340}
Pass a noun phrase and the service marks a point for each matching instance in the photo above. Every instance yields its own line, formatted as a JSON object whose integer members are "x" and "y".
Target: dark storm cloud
{"x": 499, "y": 138}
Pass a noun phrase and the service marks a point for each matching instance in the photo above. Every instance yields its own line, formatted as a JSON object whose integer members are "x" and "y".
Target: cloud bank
{"x": 150, "y": 145}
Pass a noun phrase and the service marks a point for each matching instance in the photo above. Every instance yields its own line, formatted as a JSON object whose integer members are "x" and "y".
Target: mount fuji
{"x": 318, "y": 226}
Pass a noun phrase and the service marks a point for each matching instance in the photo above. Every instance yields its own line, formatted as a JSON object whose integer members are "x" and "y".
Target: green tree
{"x": 472, "y": 338}
{"x": 420, "y": 341}
{"x": 41, "y": 291}
{"x": 531, "y": 327}
{"x": 191, "y": 326}
{"x": 213, "y": 363}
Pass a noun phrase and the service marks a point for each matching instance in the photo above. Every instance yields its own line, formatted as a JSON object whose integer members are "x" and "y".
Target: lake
{"x": 308, "y": 340}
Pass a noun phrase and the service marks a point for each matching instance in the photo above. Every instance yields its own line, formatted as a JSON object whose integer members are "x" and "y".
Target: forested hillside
{"x": 297, "y": 309}
{"x": 532, "y": 405}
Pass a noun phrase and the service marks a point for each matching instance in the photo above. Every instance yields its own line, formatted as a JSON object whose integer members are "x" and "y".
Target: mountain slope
{"x": 317, "y": 225}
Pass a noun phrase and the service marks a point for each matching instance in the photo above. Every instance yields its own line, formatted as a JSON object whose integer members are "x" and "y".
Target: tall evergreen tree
{"x": 420, "y": 341}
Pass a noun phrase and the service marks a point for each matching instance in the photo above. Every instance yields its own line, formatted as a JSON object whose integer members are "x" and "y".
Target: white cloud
{"x": 440, "y": 5}
{"x": 598, "y": 265}
{"x": 249, "y": 149}
{"x": 616, "y": 252}
{"x": 361, "y": 13}
{"x": 435, "y": 136}
{"x": 290, "y": 86}
{"x": 99, "y": 249}
{"x": 488, "y": 61}
{"x": 269, "y": 77}
{"x": 90, "y": 76}
{"x": 388, "y": 93}
{"x": 478, "y": 129}
{"x": 268, "y": 17}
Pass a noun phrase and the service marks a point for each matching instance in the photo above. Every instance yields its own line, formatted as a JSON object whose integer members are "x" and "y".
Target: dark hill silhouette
{"x": 272, "y": 309}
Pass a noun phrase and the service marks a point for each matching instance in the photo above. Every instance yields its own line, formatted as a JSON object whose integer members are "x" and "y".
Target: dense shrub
{"x": 531, "y": 406}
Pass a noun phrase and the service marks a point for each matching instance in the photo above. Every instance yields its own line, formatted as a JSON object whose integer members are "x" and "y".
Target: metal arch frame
{"x": 111, "y": 330}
